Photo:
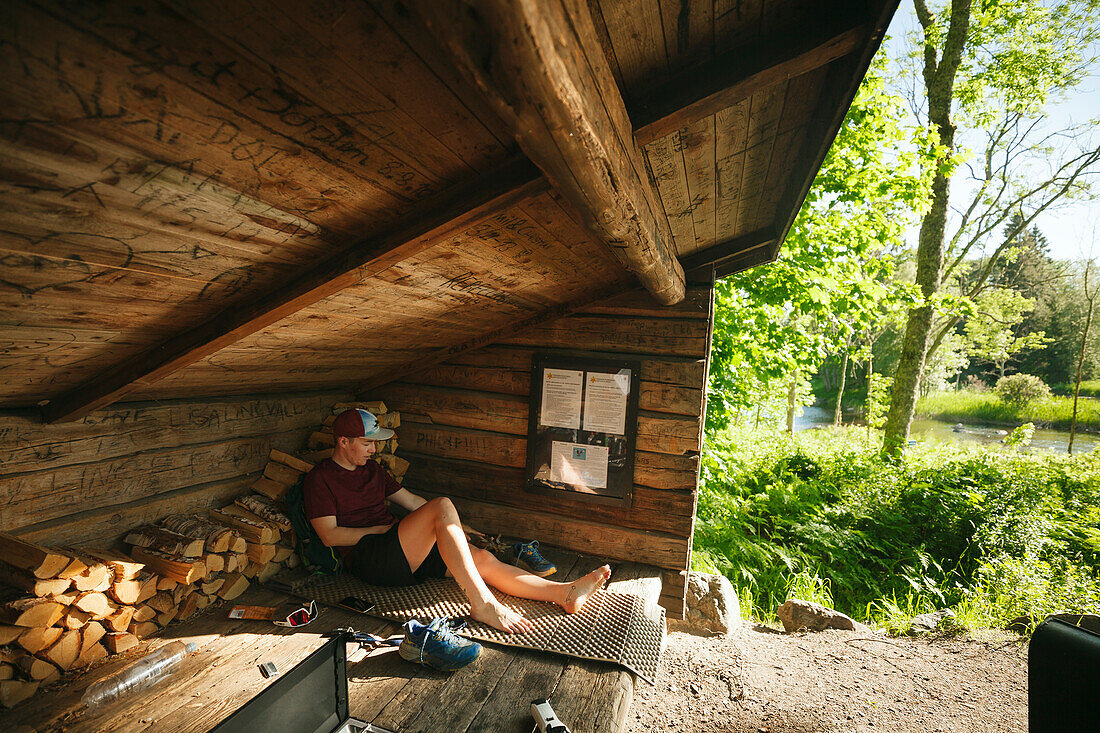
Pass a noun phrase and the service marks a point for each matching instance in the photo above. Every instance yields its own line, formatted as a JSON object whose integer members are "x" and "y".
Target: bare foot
{"x": 581, "y": 589}
{"x": 500, "y": 617}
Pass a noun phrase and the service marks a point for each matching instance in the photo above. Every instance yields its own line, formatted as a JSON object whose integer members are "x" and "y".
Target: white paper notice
{"x": 561, "y": 398}
{"x": 580, "y": 465}
{"x": 605, "y": 402}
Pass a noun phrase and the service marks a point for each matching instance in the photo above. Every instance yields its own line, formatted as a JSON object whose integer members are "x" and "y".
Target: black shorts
{"x": 379, "y": 560}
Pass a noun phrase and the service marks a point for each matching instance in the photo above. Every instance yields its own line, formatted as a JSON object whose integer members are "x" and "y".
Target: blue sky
{"x": 1074, "y": 227}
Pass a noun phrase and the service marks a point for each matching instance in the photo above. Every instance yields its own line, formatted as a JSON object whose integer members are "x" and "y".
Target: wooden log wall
{"x": 464, "y": 425}
{"x": 89, "y": 482}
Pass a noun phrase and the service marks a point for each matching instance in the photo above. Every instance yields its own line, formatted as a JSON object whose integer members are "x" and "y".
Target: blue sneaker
{"x": 529, "y": 558}
{"x": 437, "y": 646}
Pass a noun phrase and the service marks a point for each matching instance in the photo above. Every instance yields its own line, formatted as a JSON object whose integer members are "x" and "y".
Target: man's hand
{"x": 473, "y": 534}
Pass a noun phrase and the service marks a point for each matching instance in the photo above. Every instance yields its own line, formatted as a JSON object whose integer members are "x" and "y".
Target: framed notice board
{"x": 583, "y": 427}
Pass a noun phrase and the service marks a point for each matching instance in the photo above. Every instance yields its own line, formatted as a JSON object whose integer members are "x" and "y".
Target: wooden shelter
{"x": 221, "y": 218}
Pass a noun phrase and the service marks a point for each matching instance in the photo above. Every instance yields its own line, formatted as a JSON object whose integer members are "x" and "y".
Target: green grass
{"x": 986, "y": 407}
{"x": 1089, "y": 388}
{"x": 820, "y": 516}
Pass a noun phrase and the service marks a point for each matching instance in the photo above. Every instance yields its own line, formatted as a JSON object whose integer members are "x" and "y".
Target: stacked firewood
{"x": 321, "y": 441}
{"x": 63, "y": 609}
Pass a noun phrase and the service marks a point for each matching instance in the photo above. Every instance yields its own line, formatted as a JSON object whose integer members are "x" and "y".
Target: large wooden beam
{"x": 540, "y": 66}
{"x": 730, "y": 248}
{"x": 432, "y": 219}
{"x": 737, "y": 75}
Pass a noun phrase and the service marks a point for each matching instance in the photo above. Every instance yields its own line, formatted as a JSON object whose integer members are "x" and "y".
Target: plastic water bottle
{"x": 144, "y": 673}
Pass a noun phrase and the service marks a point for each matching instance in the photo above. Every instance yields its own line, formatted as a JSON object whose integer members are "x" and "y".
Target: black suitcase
{"x": 1063, "y": 675}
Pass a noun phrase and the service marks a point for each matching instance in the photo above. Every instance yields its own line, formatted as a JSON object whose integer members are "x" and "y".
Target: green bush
{"x": 1020, "y": 390}
{"x": 951, "y": 525}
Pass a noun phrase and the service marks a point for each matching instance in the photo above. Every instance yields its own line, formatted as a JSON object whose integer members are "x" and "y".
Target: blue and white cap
{"x": 359, "y": 423}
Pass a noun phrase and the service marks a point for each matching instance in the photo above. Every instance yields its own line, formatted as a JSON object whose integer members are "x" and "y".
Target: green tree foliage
{"x": 993, "y": 331}
{"x": 833, "y": 276}
{"x": 987, "y": 70}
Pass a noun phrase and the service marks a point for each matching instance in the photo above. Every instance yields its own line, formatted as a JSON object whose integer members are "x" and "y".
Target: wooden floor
{"x": 492, "y": 695}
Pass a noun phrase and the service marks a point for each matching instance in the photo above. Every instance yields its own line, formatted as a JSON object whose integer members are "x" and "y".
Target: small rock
{"x": 798, "y": 614}
{"x": 712, "y": 605}
{"x": 929, "y": 622}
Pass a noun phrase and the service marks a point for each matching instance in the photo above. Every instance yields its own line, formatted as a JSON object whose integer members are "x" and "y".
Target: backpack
{"x": 315, "y": 555}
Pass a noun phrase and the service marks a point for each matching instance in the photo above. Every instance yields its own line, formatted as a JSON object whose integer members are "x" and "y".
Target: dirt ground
{"x": 763, "y": 681}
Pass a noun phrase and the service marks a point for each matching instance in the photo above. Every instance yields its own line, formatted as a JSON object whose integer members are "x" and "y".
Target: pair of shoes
{"x": 527, "y": 557}
{"x": 436, "y": 645}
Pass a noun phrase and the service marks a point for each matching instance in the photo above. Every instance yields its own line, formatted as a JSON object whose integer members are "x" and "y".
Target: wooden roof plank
{"x": 433, "y": 218}
{"x": 541, "y": 67}
{"x": 739, "y": 74}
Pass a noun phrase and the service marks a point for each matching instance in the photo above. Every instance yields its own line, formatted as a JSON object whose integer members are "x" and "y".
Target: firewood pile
{"x": 64, "y": 609}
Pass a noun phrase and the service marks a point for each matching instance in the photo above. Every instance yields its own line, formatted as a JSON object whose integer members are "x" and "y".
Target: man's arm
{"x": 412, "y": 502}
{"x": 333, "y": 535}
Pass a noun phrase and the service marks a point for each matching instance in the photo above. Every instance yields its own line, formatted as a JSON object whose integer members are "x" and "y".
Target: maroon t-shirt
{"x": 356, "y": 498}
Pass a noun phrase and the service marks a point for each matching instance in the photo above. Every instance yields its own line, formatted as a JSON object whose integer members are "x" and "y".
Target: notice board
{"x": 583, "y": 427}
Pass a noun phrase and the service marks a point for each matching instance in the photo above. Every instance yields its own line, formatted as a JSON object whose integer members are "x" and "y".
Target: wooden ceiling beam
{"x": 540, "y": 66}
{"x": 726, "y": 80}
{"x": 717, "y": 253}
{"x": 432, "y": 219}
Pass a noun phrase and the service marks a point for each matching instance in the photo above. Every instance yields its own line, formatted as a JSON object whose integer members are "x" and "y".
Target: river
{"x": 1042, "y": 441}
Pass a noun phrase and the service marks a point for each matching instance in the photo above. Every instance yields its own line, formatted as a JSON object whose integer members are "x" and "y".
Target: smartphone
{"x": 359, "y": 605}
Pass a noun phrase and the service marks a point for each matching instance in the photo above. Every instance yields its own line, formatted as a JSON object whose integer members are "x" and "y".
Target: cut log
{"x": 179, "y": 569}
{"x": 63, "y": 652}
{"x": 91, "y": 655}
{"x": 41, "y": 562}
{"x": 144, "y": 613}
{"x": 161, "y": 602}
{"x": 269, "y": 571}
{"x": 216, "y": 538}
{"x": 126, "y": 591}
{"x": 189, "y": 606}
{"x": 33, "y": 667}
{"x": 293, "y": 561}
{"x": 94, "y": 576}
{"x": 119, "y": 641}
{"x": 261, "y": 554}
{"x": 144, "y": 629}
{"x": 31, "y": 612}
{"x": 164, "y": 583}
{"x": 244, "y": 514}
{"x": 180, "y": 592}
{"x": 163, "y": 619}
{"x": 214, "y": 562}
{"x": 13, "y": 692}
{"x": 230, "y": 562}
{"x": 234, "y": 585}
{"x": 120, "y": 619}
{"x": 282, "y": 474}
{"x": 251, "y": 570}
{"x": 75, "y": 618}
{"x": 8, "y": 634}
{"x": 242, "y": 559}
{"x": 390, "y": 420}
{"x": 164, "y": 540}
{"x": 211, "y": 587}
{"x": 282, "y": 552}
{"x": 73, "y": 568}
{"x": 397, "y": 465}
{"x": 91, "y": 634}
{"x": 265, "y": 509}
{"x": 288, "y": 460}
{"x": 204, "y": 600}
{"x": 28, "y": 582}
{"x": 270, "y": 489}
{"x": 66, "y": 598}
{"x": 150, "y": 584}
{"x": 318, "y": 455}
{"x": 250, "y": 530}
{"x": 319, "y": 441}
{"x": 94, "y": 603}
{"x": 376, "y": 407}
{"x": 7, "y": 671}
{"x": 39, "y": 638}
{"x": 122, "y": 567}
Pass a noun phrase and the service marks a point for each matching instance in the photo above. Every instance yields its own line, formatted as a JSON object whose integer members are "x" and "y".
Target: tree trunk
{"x": 870, "y": 375}
{"x": 939, "y": 82}
{"x": 792, "y": 398}
{"x": 840, "y": 391}
{"x": 1081, "y": 361}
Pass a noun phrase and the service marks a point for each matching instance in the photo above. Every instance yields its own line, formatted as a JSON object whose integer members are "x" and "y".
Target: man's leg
{"x": 437, "y": 523}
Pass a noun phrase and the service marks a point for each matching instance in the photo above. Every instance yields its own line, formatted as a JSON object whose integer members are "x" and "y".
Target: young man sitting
{"x": 345, "y": 502}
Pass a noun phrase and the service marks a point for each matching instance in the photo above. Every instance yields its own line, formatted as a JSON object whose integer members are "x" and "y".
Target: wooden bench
{"x": 492, "y": 695}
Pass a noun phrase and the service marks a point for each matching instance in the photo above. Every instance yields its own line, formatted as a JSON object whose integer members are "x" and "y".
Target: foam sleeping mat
{"x": 611, "y": 627}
